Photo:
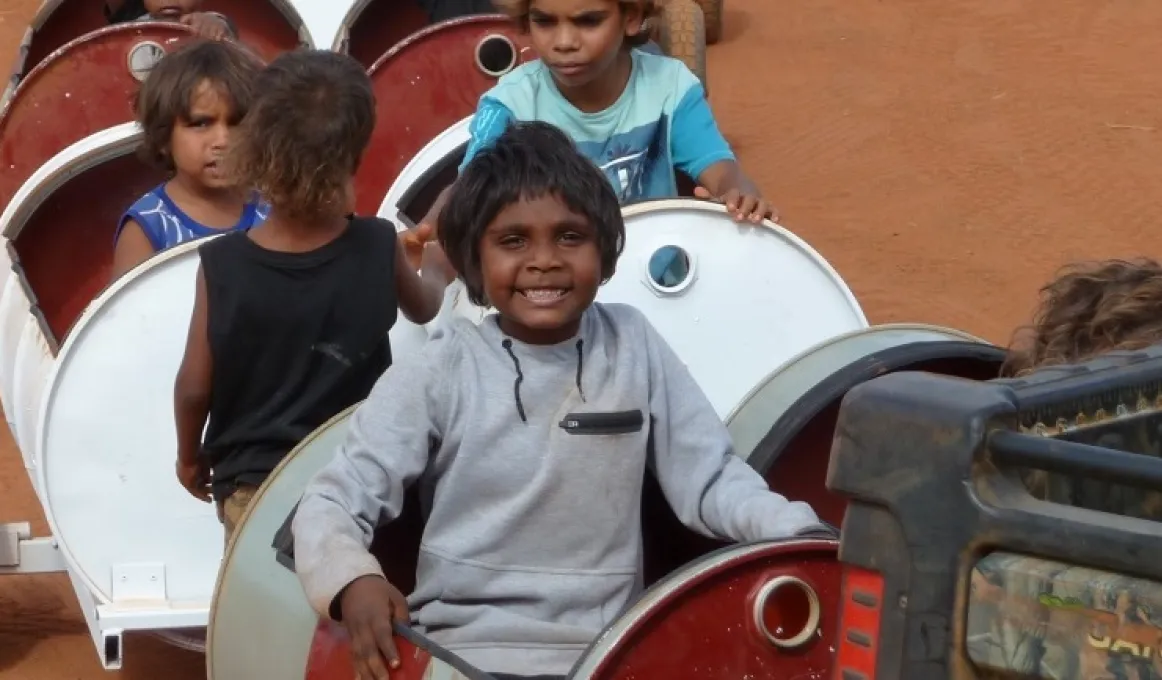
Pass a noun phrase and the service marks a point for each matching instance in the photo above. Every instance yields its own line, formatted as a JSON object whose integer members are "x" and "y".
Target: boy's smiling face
{"x": 579, "y": 40}
{"x": 540, "y": 267}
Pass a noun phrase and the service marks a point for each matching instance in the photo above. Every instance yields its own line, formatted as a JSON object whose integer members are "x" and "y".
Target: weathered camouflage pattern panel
{"x": 1140, "y": 433}
{"x": 1035, "y": 618}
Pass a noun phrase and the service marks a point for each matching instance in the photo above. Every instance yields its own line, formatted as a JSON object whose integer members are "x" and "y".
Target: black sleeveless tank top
{"x": 295, "y": 339}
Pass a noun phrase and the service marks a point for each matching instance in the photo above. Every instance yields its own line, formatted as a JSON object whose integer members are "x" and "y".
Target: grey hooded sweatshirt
{"x": 531, "y": 461}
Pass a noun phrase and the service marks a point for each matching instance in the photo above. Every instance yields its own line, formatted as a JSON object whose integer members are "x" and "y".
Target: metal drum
{"x": 759, "y": 610}
{"x": 65, "y": 245}
{"x": 425, "y": 84}
{"x": 269, "y": 26}
{"x": 105, "y": 451}
{"x": 26, "y": 354}
{"x": 372, "y": 27}
{"x": 415, "y": 188}
{"x": 261, "y": 624}
{"x": 785, "y": 426}
{"x": 85, "y": 87}
{"x": 735, "y": 301}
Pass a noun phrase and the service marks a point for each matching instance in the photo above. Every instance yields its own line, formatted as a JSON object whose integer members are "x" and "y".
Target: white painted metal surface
{"x": 106, "y": 442}
{"x": 754, "y": 296}
{"x": 106, "y": 446}
{"x": 261, "y": 624}
{"x": 76, "y": 158}
{"x": 34, "y": 360}
{"x": 434, "y": 152}
{"x": 323, "y": 19}
{"x": 14, "y": 306}
{"x": 762, "y": 407}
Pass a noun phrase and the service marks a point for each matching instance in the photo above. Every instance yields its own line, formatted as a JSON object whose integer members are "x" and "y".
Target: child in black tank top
{"x": 291, "y": 318}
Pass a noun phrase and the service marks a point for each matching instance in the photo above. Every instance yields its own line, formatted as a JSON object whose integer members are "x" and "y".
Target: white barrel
{"x": 445, "y": 147}
{"x": 107, "y": 444}
{"x": 15, "y": 304}
{"x": 736, "y": 300}
{"x": 772, "y": 397}
{"x": 261, "y": 624}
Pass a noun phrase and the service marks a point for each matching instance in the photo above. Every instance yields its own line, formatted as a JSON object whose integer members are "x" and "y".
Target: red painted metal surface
{"x": 423, "y": 86}
{"x": 698, "y": 625}
{"x": 66, "y": 248}
{"x": 330, "y": 657}
{"x": 702, "y": 626}
{"x": 380, "y": 25}
{"x": 81, "y": 89}
{"x": 800, "y": 472}
{"x": 260, "y": 25}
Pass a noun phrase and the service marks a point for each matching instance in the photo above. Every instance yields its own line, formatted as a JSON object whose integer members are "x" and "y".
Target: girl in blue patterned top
{"x": 186, "y": 109}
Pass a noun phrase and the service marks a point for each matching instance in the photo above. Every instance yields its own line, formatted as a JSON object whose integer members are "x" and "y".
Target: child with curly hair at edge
{"x": 638, "y": 116}
{"x": 529, "y": 436}
{"x": 291, "y": 318}
{"x": 1090, "y": 309}
{"x": 187, "y": 109}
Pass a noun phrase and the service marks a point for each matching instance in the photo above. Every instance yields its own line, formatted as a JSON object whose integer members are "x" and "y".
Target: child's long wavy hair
{"x": 164, "y": 99}
{"x": 518, "y": 11}
{"x": 305, "y": 134}
{"x": 1089, "y": 309}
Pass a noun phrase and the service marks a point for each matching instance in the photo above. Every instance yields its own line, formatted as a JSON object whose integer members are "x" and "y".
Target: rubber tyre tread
{"x": 712, "y": 19}
{"x": 682, "y": 35}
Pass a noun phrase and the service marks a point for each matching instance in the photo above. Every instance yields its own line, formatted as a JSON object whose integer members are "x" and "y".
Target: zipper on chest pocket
{"x": 609, "y": 422}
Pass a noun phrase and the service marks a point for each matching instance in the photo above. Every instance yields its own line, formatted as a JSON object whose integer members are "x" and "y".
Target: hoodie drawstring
{"x": 520, "y": 408}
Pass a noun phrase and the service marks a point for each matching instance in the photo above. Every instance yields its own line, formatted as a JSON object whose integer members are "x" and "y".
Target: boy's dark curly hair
{"x": 306, "y": 133}
{"x": 530, "y": 160}
{"x": 1089, "y": 309}
{"x": 518, "y": 11}
{"x": 164, "y": 99}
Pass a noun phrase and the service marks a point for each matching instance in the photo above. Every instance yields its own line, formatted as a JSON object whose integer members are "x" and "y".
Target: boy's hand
{"x": 196, "y": 479}
{"x": 413, "y": 241}
{"x": 424, "y": 254}
{"x": 208, "y": 25}
{"x": 371, "y": 606}
{"x": 743, "y": 206}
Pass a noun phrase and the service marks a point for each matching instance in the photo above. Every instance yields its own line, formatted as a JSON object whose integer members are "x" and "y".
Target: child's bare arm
{"x": 420, "y": 295}
{"x": 133, "y": 248}
{"x": 192, "y": 396}
{"x": 699, "y": 150}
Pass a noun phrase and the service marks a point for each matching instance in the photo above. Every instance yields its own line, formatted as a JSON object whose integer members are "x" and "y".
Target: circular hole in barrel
{"x": 787, "y": 611}
{"x": 669, "y": 268}
{"x": 495, "y": 55}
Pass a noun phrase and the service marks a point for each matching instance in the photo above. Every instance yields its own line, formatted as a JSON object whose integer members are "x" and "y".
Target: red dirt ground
{"x": 945, "y": 157}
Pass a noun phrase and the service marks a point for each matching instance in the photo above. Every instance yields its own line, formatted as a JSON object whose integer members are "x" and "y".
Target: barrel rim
{"x": 76, "y": 335}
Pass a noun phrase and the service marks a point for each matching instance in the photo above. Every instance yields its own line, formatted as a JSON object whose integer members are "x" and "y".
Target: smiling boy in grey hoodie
{"x": 530, "y": 436}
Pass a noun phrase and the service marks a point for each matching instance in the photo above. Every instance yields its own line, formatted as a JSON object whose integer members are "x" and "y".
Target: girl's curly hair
{"x": 169, "y": 91}
{"x": 305, "y": 134}
{"x": 518, "y": 11}
{"x": 1089, "y": 309}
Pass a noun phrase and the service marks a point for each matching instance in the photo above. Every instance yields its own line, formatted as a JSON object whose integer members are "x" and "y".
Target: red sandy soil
{"x": 945, "y": 157}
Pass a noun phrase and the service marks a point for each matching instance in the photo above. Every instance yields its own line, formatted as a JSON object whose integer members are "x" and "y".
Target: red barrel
{"x": 425, "y": 84}
{"x": 269, "y": 26}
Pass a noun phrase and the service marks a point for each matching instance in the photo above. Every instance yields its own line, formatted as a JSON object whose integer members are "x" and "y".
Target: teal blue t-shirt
{"x": 662, "y": 121}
